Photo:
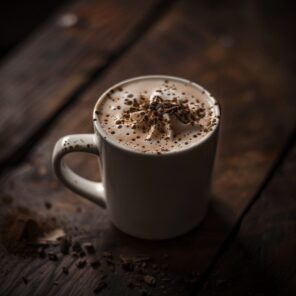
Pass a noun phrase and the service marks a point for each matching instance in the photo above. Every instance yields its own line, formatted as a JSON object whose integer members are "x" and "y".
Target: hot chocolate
{"x": 153, "y": 115}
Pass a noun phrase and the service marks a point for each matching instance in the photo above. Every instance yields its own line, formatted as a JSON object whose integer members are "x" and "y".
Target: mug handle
{"x": 93, "y": 191}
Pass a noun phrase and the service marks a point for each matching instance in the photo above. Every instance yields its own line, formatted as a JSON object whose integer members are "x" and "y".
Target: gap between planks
{"x": 226, "y": 244}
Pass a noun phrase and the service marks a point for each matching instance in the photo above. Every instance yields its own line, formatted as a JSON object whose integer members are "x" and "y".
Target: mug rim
{"x": 213, "y": 102}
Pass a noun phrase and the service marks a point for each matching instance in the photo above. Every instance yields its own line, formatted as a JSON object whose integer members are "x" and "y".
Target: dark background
{"x": 19, "y": 18}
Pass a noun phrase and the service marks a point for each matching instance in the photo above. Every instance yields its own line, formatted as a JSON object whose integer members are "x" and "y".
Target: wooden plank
{"x": 58, "y": 61}
{"x": 258, "y": 113}
{"x": 265, "y": 248}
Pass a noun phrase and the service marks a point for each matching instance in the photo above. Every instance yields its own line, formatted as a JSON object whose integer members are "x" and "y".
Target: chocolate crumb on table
{"x": 65, "y": 270}
{"x": 149, "y": 280}
{"x": 81, "y": 263}
{"x": 90, "y": 249}
{"x": 100, "y": 286}
{"x": 7, "y": 199}
{"x": 48, "y": 204}
{"x": 130, "y": 284}
{"x": 95, "y": 263}
{"x": 77, "y": 249}
{"x": 144, "y": 292}
{"x": 65, "y": 244}
{"x": 75, "y": 255}
{"x": 41, "y": 252}
{"x": 107, "y": 254}
{"x": 52, "y": 256}
{"x": 127, "y": 264}
{"x": 25, "y": 280}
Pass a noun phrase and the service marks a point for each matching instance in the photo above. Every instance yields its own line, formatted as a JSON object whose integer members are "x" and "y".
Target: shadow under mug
{"x": 148, "y": 196}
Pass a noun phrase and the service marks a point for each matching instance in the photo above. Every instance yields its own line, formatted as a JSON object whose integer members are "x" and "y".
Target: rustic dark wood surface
{"x": 231, "y": 50}
{"x": 58, "y": 62}
{"x": 265, "y": 247}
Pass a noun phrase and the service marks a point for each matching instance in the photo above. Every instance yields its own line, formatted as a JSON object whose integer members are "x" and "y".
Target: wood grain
{"x": 237, "y": 63}
{"x": 55, "y": 63}
{"x": 265, "y": 248}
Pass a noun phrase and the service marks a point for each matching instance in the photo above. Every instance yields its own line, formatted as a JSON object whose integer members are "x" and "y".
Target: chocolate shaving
{"x": 155, "y": 114}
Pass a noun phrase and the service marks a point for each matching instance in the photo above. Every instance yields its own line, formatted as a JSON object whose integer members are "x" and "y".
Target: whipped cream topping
{"x": 154, "y": 115}
{"x": 157, "y": 116}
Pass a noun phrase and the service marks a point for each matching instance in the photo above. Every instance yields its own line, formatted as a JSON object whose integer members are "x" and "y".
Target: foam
{"x": 111, "y": 107}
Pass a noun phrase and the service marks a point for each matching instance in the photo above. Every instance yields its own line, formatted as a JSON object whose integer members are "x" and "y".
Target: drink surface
{"x": 157, "y": 115}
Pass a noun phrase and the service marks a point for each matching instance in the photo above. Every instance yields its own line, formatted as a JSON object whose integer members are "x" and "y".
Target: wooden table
{"x": 243, "y": 53}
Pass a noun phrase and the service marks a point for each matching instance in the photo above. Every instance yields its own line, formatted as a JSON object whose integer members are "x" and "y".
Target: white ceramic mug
{"x": 148, "y": 196}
